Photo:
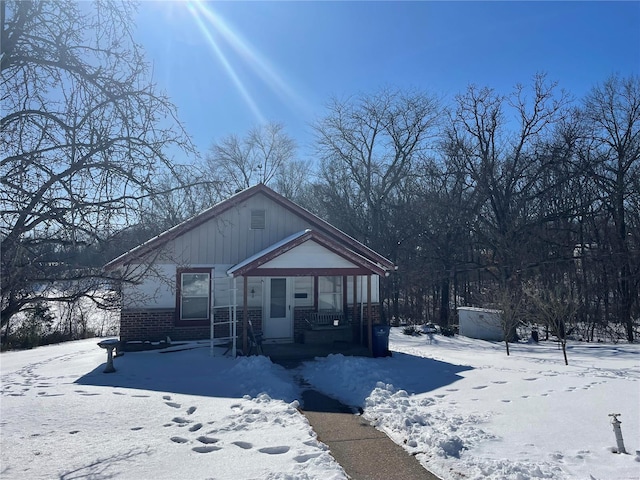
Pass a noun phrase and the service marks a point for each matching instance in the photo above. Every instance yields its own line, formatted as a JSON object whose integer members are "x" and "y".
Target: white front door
{"x": 278, "y": 322}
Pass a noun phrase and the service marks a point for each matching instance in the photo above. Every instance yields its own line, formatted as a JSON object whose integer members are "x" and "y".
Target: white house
{"x": 254, "y": 257}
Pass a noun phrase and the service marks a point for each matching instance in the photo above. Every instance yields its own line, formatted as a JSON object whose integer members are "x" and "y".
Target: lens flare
{"x": 210, "y": 23}
{"x": 225, "y": 63}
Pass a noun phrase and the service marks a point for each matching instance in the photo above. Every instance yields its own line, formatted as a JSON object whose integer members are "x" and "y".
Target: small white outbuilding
{"x": 480, "y": 323}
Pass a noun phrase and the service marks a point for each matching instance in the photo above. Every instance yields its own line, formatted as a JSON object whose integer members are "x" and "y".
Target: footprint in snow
{"x": 135, "y": 429}
{"x": 207, "y": 440}
{"x": 190, "y": 410}
{"x": 306, "y": 457}
{"x": 480, "y": 387}
{"x": 243, "y": 445}
{"x": 506, "y": 401}
{"x": 440, "y": 396}
{"x": 166, "y": 397}
{"x": 179, "y": 440}
{"x": 530, "y": 379}
{"x": 180, "y": 420}
{"x": 195, "y": 428}
{"x": 117, "y": 393}
{"x": 173, "y": 404}
{"x": 499, "y": 382}
{"x": 207, "y": 449}
{"x": 274, "y": 450}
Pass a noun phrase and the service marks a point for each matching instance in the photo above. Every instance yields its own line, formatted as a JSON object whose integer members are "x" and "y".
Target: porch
{"x": 297, "y": 352}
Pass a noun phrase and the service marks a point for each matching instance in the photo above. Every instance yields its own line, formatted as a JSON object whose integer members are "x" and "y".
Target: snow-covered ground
{"x": 463, "y": 407}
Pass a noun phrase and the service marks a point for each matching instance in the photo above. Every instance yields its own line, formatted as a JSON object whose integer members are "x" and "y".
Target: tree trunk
{"x": 444, "y": 303}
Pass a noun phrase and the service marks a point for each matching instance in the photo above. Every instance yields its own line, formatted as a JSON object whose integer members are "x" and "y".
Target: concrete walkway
{"x": 364, "y": 452}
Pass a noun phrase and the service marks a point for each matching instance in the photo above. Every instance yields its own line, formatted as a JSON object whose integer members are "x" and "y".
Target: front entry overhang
{"x": 306, "y": 253}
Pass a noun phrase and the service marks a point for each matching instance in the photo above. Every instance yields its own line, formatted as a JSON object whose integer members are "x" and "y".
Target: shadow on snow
{"x": 195, "y": 372}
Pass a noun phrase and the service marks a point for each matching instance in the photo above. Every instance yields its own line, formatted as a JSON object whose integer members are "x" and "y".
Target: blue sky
{"x": 229, "y": 66}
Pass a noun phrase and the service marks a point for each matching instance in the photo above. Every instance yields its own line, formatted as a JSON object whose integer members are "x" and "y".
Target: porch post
{"x": 315, "y": 293}
{"x": 370, "y": 322}
{"x": 245, "y": 316}
{"x": 355, "y": 307}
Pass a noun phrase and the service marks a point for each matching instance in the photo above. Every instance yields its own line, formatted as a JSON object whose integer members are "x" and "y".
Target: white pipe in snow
{"x": 618, "y": 432}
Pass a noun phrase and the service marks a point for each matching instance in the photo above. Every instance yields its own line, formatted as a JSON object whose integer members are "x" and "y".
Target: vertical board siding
{"x": 228, "y": 238}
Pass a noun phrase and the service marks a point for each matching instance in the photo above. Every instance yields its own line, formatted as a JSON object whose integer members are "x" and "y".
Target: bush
{"x": 411, "y": 330}
{"x": 448, "y": 331}
{"x": 36, "y": 324}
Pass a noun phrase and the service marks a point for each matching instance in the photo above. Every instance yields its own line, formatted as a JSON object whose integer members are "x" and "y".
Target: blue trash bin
{"x": 380, "y": 341}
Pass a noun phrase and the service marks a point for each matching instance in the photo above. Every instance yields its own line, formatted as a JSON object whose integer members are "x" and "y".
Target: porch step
{"x": 323, "y": 336}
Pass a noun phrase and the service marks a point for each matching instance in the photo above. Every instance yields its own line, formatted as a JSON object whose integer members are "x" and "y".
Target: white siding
{"x": 309, "y": 254}
{"x": 229, "y": 239}
{"x": 480, "y": 323}
{"x": 157, "y": 290}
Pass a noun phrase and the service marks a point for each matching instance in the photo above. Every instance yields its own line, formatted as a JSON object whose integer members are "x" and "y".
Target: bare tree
{"x": 505, "y": 159}
{"x": 293, "y": 180}
{"x": 441, "y": 215}
{"x": 83, "y": 132}
{"x": 180, "y": 194}
{"x": 611, "y": 153}
{"x": 261, "y": 156}
{"x": 511, "y": 305}
{"x": 555, "y": 308}
{"x": 369, "y": 147}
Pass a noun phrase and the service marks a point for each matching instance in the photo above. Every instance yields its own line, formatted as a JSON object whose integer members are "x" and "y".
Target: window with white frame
{"x": 330, "y": 293}
{"x": 195, "y": 287}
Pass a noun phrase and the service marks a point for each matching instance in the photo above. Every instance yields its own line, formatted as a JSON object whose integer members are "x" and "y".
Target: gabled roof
{"x": 318, "y": 225}
{"x": 253, "y": 263}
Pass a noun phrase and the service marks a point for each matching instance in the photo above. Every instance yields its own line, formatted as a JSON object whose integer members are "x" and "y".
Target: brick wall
{"x": 158, "y": 324}
{"x": 154, "y": 325}
{"x": 150, "y": 325}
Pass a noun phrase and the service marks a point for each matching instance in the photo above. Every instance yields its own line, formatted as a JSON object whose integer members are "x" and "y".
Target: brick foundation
{"x": 158, "y": 324}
